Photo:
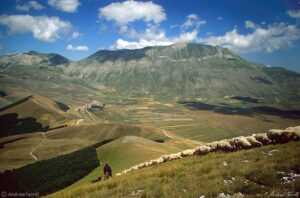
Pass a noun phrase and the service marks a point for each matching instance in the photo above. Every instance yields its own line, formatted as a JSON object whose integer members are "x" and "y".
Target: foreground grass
{"x": 254, "y": 173}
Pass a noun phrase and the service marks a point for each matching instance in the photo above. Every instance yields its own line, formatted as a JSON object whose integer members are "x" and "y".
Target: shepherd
{"x": 107, "y": 171}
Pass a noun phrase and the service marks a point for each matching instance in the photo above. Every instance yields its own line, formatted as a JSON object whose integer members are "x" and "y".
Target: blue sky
{"x": 265, "y": 31}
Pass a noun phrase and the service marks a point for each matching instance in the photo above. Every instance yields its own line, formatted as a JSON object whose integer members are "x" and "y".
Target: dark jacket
{"x": 107, "y": 169}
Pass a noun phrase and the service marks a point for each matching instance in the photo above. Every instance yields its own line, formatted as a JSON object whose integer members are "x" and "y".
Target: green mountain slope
{"x": 187, "y": 70}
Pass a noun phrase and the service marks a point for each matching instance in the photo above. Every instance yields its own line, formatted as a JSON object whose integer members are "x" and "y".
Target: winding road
{"x": 180, "y": 138}
{"x": 39, "y": 145}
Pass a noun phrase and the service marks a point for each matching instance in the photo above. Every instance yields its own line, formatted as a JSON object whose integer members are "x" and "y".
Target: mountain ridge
{"x": 184, "y": 69}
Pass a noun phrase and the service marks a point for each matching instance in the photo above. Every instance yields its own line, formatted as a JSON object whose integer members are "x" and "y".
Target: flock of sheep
{"x": 273, "y": 136}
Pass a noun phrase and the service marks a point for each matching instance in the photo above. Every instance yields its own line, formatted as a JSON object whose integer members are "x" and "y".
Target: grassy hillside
{"x": 253, "y": 173}
{"x": 31, "y": 114}
{"x": 17, "y": 150}
{"x": 127, "y": 151}
{"x": 51, "y": 175}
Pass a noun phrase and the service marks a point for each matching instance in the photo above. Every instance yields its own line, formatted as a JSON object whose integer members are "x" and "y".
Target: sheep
{"x": 296, "y": 130}
{"x": 149, "y": 163}
{"x": 134, "y": 168}
{"x": 188, "y": 152}
{"x": 165, "y": 158}
{"x": 142, "y": 165}
{"x": 253, "y": 141}
{"x": 240, "y": 142}
{"x": 175, "y": 156}
{"x": 224, "y": 145}
{"x": 213, "y": 145}
{"x": 281, "y": 136}
{"x": 154, "y": 162}
{"x": 202, "y": 150}
{"x": 158, "y": 160}
{"x": 262, "y": 138}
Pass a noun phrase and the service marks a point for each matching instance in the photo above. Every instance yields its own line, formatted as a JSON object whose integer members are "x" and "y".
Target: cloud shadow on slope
{"x": 233, "y": 110}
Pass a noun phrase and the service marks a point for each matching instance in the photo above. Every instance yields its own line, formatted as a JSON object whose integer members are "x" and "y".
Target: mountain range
{"x": 184, "y": 69}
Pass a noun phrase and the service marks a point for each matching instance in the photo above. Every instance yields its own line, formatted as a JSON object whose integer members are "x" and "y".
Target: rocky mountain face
{"x": 185, "y": 70}
{"x": 192, "y": 70}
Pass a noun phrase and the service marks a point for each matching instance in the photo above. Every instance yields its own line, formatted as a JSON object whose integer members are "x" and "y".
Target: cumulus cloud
{"x": 75, "y": 35}
{"x": 130, "y": 11}
{"x": 43, "y": 28}
{"x": 154, "y": 36}
{"x": 123, "y": 44}
{"x": 269, "y": 39}
{"x": 65, "y": 5}
{"x": 250, "y": 25}
{"x": 192, "y": 21}
{"x": 294, "y": 13}
{"x": 77, "y": 48}
{"x": 30, "y": 5}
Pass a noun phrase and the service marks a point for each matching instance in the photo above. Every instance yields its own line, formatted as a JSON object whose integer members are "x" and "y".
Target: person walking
{"x": 107, "y": 171}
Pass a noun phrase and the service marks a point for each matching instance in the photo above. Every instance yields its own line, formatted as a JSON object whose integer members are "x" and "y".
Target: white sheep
{"x": 279, "y": 136}
{"x": 134, "y": 168}
{"x": 224, "y": 145}
{"x": 188, "y": 152}
{"x": 253, "y": 141}
{"x": 240, "y": 142}
{"x": 149, "y": 163}
{"x": 175, "y": 156}
{"x": 154, "y": 162}
{"x": 158, "y": 160}
{"x": 202, "y": 150}
{"x": 296, "y": 130}
{"x": 262, "y": 138}
{"x": 213, "y": 145}
{"x": 141, "y": 165}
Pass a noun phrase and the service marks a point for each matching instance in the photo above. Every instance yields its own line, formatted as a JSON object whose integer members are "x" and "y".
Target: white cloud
{"x": 43, "y": 28}
{"x": 154, "y": 36}
{"x": 130, "y": 11}
{"x": 192, "y": 21}
{"x": 220, "y": 18}
{"x": 77, "y": 48}
{"x": 122, "y": 44}
{"x": 30, "y": 5}
{"x": 261, "y": 39}
{"x": 75, "y": 35}
{"x": 250, "y": 25}
{"x": 65, "y": 5}
{"x": 294, "y": 13}
{"x": 269, "y": 39}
